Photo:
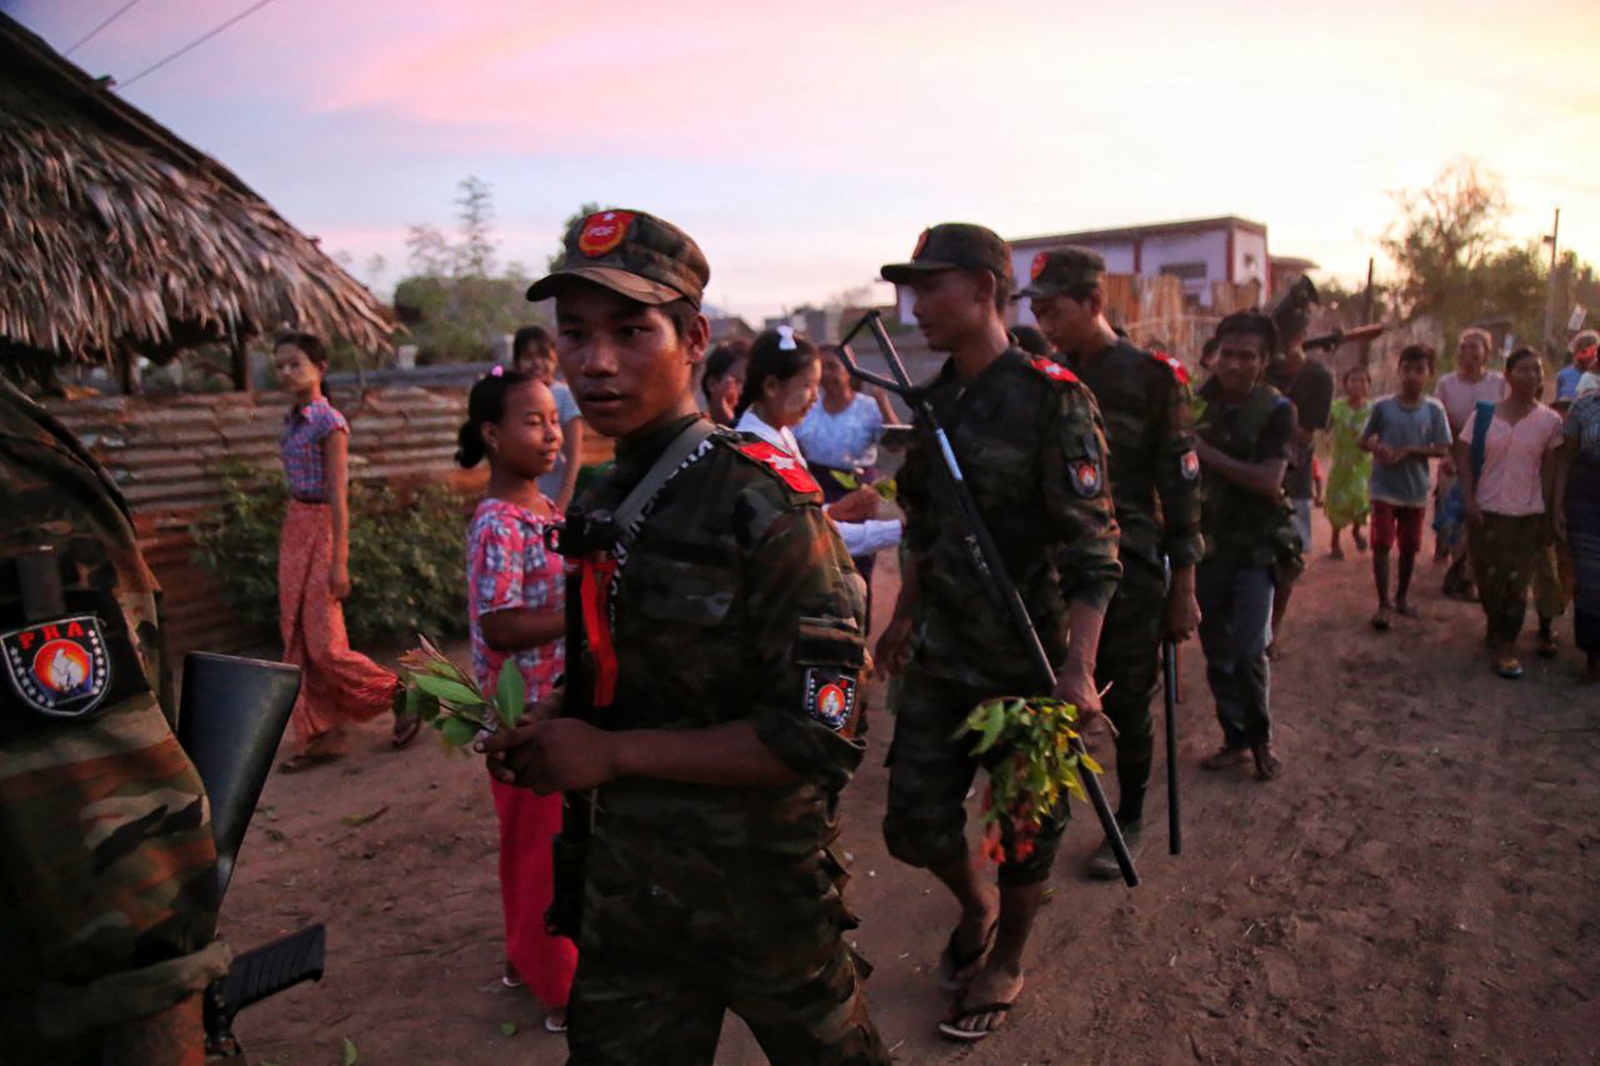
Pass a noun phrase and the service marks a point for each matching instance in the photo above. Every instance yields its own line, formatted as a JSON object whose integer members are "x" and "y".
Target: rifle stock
{"x": 981, "y": 550}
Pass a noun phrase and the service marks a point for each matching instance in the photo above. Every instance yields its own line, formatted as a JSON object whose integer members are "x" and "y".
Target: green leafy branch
{"x": 445, "y": 697}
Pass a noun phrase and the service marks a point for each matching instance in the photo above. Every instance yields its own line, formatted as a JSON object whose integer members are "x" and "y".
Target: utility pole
{"x": 1366, "y": 316}
{"x": 1550, "y": 294}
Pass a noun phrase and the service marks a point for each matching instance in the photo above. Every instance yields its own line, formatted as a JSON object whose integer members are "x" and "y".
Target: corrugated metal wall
{"x": 165, "y": 453}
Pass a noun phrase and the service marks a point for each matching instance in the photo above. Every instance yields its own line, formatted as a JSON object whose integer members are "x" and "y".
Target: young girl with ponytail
{"x": 515, "y": 598}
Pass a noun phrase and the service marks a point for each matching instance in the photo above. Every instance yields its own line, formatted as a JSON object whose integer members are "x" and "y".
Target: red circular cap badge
{"x": 922, "y": 242}
{"x": 603, "y": 231}
{"x": 1039, "y": 260}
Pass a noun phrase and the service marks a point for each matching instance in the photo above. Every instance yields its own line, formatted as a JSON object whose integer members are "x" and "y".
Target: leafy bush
{"x": 407, "y": 555}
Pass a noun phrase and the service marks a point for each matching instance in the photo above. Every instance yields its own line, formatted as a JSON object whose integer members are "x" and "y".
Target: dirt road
{"x": 1422, "y": 885}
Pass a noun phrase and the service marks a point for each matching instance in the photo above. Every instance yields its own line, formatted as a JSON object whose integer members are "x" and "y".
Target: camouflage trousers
{"x": 930, "y": 773}
{"x": 108, "y": 891}
{"x": 675, "y": 935}
{"x": 1130, "y": 662}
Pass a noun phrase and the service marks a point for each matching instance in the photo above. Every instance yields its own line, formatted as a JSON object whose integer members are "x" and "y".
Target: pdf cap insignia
{"x": 633, "y": 253}
{"x": 831, "y": 698}
{"x": 1063, "y": 270}
{"x": 58, "y": 668}
{"x": 953, "y": 246}
{"x": 603, "y": 231}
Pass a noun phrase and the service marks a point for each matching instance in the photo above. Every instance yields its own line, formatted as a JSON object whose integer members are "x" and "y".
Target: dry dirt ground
{"x": 1422, "y": 885}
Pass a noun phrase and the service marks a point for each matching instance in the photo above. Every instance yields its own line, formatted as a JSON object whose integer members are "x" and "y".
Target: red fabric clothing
{"x": 508, "y": 569}
{"x": 337, "y": 685}
{"x": 528, "y": 825}
{"x": 1393, "y": 524}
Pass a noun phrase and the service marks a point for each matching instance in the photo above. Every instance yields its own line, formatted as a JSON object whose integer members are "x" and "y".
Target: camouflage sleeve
{"x": 1077, "y": 499}
{"x": 808, "y": 609}
{"x": 1178, "y": 476}
{"x": 108, "y": 886}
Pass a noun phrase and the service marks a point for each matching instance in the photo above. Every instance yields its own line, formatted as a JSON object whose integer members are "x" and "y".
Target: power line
{"x": 92, "y": 34}
{"x": 197, "y": 42}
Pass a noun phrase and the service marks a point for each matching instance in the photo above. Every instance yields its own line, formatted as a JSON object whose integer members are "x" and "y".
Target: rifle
{"x": 1169, "y": 676}
{"x": 1359, "y": 334}
{"x": 232, "y": 715}
{"x": 981, "y": 549}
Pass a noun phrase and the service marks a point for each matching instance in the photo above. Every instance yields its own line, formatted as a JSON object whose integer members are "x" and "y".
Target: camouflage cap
{"x": 953, "y": 246}
{"x": 630, "y": 252}
{"x": 1061, "y": 271}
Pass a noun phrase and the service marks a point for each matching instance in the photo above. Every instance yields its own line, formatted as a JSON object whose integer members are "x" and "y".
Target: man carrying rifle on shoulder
{"x": 711, "y": 713}
{"x": 1027, "y": 436}
{"x": 1155, "y": 480}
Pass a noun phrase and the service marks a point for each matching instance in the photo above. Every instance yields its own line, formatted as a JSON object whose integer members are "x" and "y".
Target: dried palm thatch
{"x": 115, "y": 233}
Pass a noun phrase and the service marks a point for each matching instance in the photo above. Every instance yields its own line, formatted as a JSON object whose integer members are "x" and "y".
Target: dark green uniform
{"x": 733, "y": 601}
{"x": 108, "y": 886}
{"x": 1028, "y": 438}
{"x": 1251, "y": 545}
{"x": 1145, "y": 402}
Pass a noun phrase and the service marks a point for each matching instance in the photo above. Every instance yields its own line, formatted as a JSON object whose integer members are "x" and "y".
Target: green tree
{"x": 475, "y": 253}
{"x": 589, "y": 207}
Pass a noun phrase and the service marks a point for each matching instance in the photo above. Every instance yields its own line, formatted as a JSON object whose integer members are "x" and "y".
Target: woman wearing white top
{"x": 780, "y": 385}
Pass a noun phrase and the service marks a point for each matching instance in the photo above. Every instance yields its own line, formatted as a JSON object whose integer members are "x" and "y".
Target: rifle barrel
{"x": 986, "y": 560}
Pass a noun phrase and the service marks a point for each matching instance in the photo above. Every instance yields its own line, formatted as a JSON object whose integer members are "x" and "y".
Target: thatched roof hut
{"x": 117, "y": 236}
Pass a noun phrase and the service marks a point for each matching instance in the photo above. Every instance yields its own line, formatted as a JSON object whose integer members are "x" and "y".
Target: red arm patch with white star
{"x": 1053, "y": 370}
{"x": 1174, "y": 364}
{"x": 787, "y": 467}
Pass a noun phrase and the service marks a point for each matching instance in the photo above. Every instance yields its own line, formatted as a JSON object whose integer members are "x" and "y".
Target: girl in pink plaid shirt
{"x": 516, "y": 602}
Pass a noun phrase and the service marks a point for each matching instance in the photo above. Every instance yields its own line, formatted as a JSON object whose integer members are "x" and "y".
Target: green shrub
{"x": 407, "y": 555}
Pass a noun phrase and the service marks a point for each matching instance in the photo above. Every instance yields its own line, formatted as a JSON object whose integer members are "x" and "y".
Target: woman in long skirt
{"x": 338, "y": 686}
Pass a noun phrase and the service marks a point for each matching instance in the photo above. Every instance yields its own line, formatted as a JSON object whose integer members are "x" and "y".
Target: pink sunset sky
{"x": 803, "y": 145}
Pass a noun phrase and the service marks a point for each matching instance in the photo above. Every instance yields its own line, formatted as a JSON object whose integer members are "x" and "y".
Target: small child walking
{"x": 1403, "y": 432}
{"x": 1347, "y": 501}
{"x": 516, "y": 596}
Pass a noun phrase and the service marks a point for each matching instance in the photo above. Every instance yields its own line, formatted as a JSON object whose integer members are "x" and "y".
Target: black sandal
{"x": 952, "y": 1030}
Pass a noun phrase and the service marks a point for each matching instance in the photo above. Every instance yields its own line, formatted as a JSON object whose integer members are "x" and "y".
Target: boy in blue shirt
{"x": 1403, "y": 432}
{"x": 1585, "y": 347}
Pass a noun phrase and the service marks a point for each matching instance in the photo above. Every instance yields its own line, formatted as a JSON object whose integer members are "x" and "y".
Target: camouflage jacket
{"x": 735, "y": 601}
{"x": 1243, "y": 527}
{"x": 108, "y": 890}
{"x": 1031, "y": 447}
{"x": 1145, "y": 401}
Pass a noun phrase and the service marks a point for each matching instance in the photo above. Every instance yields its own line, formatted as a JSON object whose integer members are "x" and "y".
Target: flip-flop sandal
{"x": 952, "y": 1030}
{"x": 1408, "y": 611}
{"x": 307, "y": 760}
{"x": 1547, "y": 649}
{"x": 552, "y": 1024}
{"x": 406, "y": 729}
{"x": 1509, "y": 669}
{"x": 1380, "y": 622}
{"x": 954, "y": 972}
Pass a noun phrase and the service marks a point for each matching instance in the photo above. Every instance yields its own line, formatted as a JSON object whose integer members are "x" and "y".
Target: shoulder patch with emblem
{"x": 790, "y": 471}
{"x": 1085, "y": 477}
{"x": 1174, "y": 364}
{"x": 1189, "y": 465}
{"x": 831, "y": 698}
{"x": 1053, "y": 370}
{"x": 59, "y": 668}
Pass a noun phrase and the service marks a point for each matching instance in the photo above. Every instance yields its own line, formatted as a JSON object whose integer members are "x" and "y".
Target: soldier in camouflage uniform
{"x": 1155, "y": 480}
{"x": 108, "y": 883}
{"x": 1245, "y": 437}
{"x": 718, "y": 681}
{"x": 1028, "y": 437}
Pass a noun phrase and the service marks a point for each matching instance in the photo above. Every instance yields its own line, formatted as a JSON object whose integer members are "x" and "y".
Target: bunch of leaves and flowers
{"x": 884, "y": 487}
{"x": 1034, "y": 767}
{"x": 445, "y": 696}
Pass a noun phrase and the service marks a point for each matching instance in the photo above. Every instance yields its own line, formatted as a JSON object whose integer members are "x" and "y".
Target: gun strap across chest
{"x": 597, "y": 574}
